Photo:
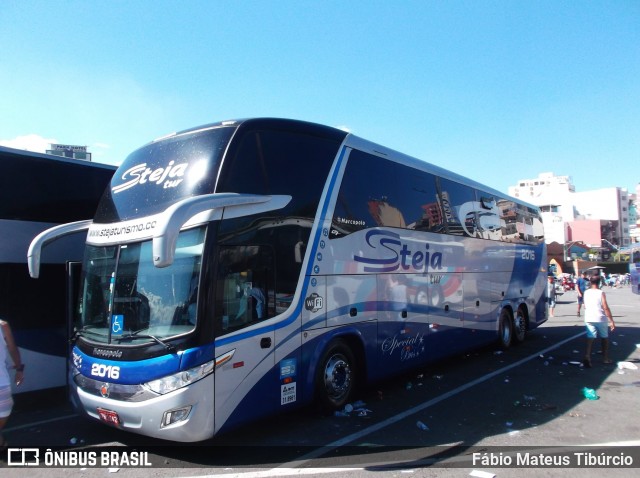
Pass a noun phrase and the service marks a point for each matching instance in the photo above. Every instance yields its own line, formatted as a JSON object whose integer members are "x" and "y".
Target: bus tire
{"x": 520, "y": 326}
{"x": 505, "y": 329}
{"x": 336, "y": 376}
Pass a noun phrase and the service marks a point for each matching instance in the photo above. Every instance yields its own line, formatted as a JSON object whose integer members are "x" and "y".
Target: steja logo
{"x": 168, "y": 177}
{"x": 313, "y": 302}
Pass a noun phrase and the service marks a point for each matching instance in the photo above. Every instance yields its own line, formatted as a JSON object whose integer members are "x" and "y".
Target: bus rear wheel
{"x": 336, "y": 379}
{"x": 520, "y": 326}
{"x": 505, "y": 329}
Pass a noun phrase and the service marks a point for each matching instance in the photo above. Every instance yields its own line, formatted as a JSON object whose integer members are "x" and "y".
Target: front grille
{"x": 115, "y": 391}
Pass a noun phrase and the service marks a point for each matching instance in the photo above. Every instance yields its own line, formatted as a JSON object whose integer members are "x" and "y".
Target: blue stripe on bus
{"x": 129, "y": 373}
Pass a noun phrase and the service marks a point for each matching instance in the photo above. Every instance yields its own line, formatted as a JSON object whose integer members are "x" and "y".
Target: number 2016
{"x": 528, "y": 255}
{"x": 100, "y": 370}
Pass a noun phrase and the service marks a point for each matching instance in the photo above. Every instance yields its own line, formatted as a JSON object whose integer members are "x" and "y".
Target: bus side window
{"x": 457, "y": 201}
{"x": 489, "y": 221}
{"x": 393, "y": 195}
{"x": 509, "y": 220}
{"x": 244, "y": 291}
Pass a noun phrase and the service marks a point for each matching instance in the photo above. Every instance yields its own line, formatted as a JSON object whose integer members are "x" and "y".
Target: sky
{"x": 497, "y": 91}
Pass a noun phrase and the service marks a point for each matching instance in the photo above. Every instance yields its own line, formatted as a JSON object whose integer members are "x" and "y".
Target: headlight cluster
{"x": 181, "y": 379}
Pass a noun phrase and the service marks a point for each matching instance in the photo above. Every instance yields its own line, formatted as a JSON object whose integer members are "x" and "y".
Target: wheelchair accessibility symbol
{"x": 117, "y": 324}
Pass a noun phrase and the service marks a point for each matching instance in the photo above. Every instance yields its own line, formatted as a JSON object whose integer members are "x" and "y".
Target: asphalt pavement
{"x": 529, "y": 398}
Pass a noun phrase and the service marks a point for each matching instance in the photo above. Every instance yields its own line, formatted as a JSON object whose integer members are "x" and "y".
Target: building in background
{"x": 590, "y": 225}
{"x": 554, "y": 196}
{"x": 607, "y": 211}
{"x": 634, "y": 220}
{"x": 70, "y": 151}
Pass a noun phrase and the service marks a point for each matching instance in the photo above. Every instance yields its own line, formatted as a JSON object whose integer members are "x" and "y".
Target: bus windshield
{"x": 126, "y": 299}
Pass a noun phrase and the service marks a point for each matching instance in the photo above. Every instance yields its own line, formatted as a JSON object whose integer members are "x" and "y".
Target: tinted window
{"x": 280, "y": 162}
{"x": 26, "y": 301}
{"x": 532, "y": 224}
{"x": 520, "y": 223}
{"x": 457, "y": 202}
{"x": 509, "y": 217}
{"x": 49, "y": 190}
{"x": 244, "y": 288}
{"x": 273, "y": 162}
{"x": 156, "y": 176}
{"x": 488, "y": 216}
{"x": 378, "y": 192}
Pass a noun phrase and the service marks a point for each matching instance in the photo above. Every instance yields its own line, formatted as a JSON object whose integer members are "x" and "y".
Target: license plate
{"x": 109, "y": 416}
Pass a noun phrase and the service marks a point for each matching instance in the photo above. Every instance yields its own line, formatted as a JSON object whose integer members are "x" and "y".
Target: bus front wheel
{"x": 336, "y": 378}
{"x": 505, "y": 329}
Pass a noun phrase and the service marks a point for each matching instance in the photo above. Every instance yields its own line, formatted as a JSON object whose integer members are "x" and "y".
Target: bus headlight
{"x": 181, "y": 379}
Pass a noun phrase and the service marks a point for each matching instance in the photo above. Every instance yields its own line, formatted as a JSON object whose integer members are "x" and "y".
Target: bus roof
{"x": 15, "y": 153}
{"x": 351, "y": 140}
{"x": 272, "y": 123}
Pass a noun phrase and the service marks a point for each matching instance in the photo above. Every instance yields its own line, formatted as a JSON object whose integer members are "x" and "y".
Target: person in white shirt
{"x": 596, "y": 316}
{"x": 8, "y": 348}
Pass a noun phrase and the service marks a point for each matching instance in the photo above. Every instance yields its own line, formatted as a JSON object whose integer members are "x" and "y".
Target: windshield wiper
{"x": 87, "y": 328}
{"x": 169, "y": 347}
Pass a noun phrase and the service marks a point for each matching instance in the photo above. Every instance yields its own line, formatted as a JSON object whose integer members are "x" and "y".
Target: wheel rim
{"x": 520, "y": 325}
{"x": 337, "y": 377}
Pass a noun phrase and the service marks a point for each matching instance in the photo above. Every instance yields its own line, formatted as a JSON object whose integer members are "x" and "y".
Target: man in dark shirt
{"x": 581, "y": 286}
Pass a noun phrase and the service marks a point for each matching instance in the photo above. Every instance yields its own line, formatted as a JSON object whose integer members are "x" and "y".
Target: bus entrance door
{"x": 245, "y": 341}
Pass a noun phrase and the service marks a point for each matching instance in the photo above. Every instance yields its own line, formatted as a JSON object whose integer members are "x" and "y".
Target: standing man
{"x": 581, "y": 287}
{"x": 596, "y": 315}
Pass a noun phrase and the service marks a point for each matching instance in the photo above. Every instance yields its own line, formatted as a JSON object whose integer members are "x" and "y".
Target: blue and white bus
{"x": 37, "y": 192}
{"x": 242, "y": 268}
